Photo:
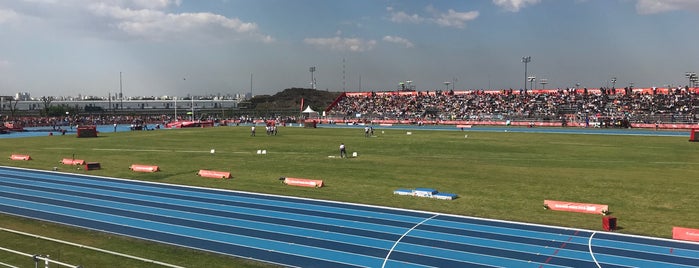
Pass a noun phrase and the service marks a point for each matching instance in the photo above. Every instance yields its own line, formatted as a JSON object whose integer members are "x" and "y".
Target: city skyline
{"x": 180, "y": 47}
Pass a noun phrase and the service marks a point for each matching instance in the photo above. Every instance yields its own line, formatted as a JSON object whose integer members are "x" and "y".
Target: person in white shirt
{"x": 343, "y": 152}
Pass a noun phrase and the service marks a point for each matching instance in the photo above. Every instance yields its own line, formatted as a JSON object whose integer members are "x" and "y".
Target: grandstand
{"x": 600, "y": 107}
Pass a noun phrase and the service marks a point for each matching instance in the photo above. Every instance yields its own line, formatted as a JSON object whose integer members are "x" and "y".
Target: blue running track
{"x": 312, "y": 233}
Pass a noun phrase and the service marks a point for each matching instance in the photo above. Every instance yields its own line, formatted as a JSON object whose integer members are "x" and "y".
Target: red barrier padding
{"x": 92, "y": 166}
{"x": 87, "y": 131}
{"x": 20, "y": 157}
{"x": 214, "y": 174}
{"x": 303, "y": 182}
{"x": 688, "y": 234}
{"x": 69, "y": 161}
{"x": 693, "y": 134}
{"x": 576, "y": 207}
{"x": 144, "y": 168}
{"x": 464, "y": 126}
{"x": 609, "y": 223}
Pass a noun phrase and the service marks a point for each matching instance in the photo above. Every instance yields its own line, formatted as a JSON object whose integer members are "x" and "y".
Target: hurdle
{"x": 144, "y": 168}
{"x": 20, "y": 157}
{"x": 214, "y": 174}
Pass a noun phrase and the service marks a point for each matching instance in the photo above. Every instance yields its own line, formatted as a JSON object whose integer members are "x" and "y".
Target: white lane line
{"x": 589, "y": 246}
{"x": 401, "y": 237}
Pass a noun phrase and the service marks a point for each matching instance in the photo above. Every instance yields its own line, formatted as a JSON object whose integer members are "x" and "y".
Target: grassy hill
{"x": 289, "y": 100}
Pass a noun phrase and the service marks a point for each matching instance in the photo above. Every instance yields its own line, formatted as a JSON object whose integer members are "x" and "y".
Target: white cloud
{"x": 4, "y": 64}
{"x": 451, "y": 18}
{"x": 659, "y": 6}
{"x": 342, "y": 44}
{"x": 515, "y": 5}
{"x": 158, "y": 25}
{"x": 455, "y": 19}
{"x": 402, "y": 17}
{"x": 398, "y": 40}
{"x": 8, "y": 16}
{"x": 134, "y": 19}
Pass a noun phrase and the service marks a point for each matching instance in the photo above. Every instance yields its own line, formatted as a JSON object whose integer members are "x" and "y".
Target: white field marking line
{"x": 675, "y": 163}
{"x": 589, "y": 246}
{"x": 401, "y": 237}
{"x": 89, "y": 247}
{"x": 160, "y": 150}
{"x": 7, "y": 265}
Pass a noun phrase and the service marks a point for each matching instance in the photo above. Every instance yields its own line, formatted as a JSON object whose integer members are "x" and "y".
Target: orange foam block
{"x": 144, "y": 168}
{"x": 214, "y": 174}
{"x": 576, "y": 207}
{"x": 303, "y": 182}
{"x": 20, "y": 157}
{"x": 69, "y": 161}
{"x": 688, "y": 234}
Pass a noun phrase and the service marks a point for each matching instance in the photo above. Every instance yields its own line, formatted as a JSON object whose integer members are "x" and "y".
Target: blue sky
{"x": 181, "y": 47}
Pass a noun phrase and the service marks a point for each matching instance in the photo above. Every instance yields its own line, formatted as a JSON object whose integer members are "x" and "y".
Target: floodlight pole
{"x": 526, "y": 60}
{"x": 613, "y": 82}
{"x": 692, "y": 76}
{"x": 543, "y": 82}
{"x": 312, "y": 69}
{"x": 121, "y": 93}
{"x": 531, "y": 80}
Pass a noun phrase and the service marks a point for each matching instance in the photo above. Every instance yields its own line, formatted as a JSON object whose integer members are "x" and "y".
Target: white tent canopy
{"x": 308, "y": 110}
{"x": 310, "y": 113}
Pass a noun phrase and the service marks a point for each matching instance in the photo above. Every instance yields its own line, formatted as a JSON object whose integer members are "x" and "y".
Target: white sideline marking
{"x": 157, "y": 150}
{"x": 89, "y": 247}
{"x": 401, "y": 237}
{"x": 589, "y": 246}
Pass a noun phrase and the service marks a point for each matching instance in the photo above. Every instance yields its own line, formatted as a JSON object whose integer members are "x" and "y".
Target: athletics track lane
{"x": 312, "y": 233}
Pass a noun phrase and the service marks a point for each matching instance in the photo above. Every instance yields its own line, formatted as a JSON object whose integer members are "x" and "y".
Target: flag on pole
{"x": 301, "y": 104}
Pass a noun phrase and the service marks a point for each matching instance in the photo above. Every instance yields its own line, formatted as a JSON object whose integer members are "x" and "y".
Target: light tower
{"x": 613, "y": 82}
{"x": 526, "y": 60}
{"x": 692, "y": 76}
{"x": 531, "y": 80}
{"x": 121, "y": 93}
{"x": 447, "y": 83}
{"x": 543, "y": 82}
{"x": 312, "y": 69}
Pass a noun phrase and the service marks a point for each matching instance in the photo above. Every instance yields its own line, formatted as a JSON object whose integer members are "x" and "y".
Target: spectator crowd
{"x": 604, "y": 105}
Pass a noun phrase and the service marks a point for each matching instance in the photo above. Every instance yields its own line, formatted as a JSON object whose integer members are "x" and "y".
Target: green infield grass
{"x": 650, "y": 183}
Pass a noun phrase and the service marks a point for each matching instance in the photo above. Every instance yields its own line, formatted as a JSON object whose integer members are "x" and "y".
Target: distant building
{"x": 23, "y": 96}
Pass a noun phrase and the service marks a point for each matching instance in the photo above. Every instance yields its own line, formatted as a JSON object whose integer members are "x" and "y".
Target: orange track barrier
{"x": 576, "y": 207}
{"x": 214, "y": 174}
{"x": 303, "y": 182}
{"x": 76, "y": 162}
{"x": 20, "y": 157}
{"x": 144, "y": 168}
{"x": 688, "y": 234}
